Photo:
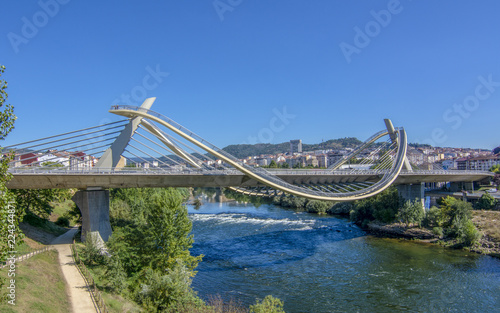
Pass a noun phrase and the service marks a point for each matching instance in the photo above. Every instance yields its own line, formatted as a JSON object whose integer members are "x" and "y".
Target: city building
{"x": 295, "y": 146}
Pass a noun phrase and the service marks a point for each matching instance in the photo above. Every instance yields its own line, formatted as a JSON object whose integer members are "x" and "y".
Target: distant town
{"x": 422, "y": 156}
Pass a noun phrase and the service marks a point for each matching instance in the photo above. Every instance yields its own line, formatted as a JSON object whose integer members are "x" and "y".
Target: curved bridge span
{"x": 270, "y": 179}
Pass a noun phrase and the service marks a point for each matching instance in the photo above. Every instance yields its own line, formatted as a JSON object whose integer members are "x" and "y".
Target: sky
{"x": 241, "y": 71}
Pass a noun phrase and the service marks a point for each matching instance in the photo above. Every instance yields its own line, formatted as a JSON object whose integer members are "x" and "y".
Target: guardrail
{"x": 26, "y": 256}
{"x": 96, "y": 294}
{"x": 162, "y": 171}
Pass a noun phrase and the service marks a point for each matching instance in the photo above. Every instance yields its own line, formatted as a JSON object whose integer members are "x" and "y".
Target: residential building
{"x": 295, "y": 146}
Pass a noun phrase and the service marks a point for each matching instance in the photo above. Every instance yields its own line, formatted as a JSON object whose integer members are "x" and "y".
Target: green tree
{"x": 452, "y": 208}
{"x": 39, "y": 201}
{"x": 464, "y": 231}
{"x": 495, "y": 169}
{"x": 411, "y": 212}
{"x": 382, "y": 207}
{"x": 285, "y": 165}
{"x": 433, "y": 217}
{"x": 270, "y": 304}
{"x": 317, "y": 206}
{"x": 159, "y": 233}
{"x": 486, "y": 202}
{"x": 168, "y": 291}
{"x": 9, "y": 213}
{"x": 273, "y": 164}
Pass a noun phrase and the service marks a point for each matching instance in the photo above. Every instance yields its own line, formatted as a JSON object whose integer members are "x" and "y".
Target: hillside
{"x": 246, "y": 150}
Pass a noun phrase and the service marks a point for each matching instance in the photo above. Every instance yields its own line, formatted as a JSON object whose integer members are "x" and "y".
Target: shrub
{"x": 316, "y": 206}
{"x": 91, "y": 253}
{"x": 452, "y": 208}
{"x": 464, "y": 231}
{"x": 293, "y": 202}
{"x": 168, "y": 291}
{"x": 486, "y": 202}
{"x": 270, "y": 304}
{"x": 411, "y": 212}
{"x": 115, "y": 274}
{"x": 62, "y": 221}
{"x": 341, "y": 208}
{"x": 382, "y": 207}
{"x": 433, "y": 217}
{"x": 438, "y": 231}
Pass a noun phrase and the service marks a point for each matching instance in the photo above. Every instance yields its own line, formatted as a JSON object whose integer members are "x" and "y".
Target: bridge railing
{"x": 204, "y": 171}
{"x": 121, "y": 171}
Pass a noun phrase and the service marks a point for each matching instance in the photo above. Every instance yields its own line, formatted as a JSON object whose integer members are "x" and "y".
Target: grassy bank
{"x": 40, "y": 286}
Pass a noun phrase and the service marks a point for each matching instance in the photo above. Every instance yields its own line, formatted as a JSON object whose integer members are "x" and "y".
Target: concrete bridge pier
{"x": 219, "y": 196}
{"x": 412, "y": 192}
{"x": 94, "y": 206}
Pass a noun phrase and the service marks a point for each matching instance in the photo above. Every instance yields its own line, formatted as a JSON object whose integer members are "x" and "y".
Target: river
{"x": 326, "y": 264}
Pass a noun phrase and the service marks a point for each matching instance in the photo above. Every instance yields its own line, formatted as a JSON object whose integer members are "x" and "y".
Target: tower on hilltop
{"x": 295, "y": 146}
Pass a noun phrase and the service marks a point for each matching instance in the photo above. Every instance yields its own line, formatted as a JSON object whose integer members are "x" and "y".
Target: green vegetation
{"x": 256, "y": 201}
{"x": 452, "y": 219}
{"x": 40, "y": 286}
{"x": 268, "y": 305}
{"x": 486, "y": 202}
{"x": 455, "y": 218}
{"x": 39, "y": 202}
{"x": 495, "y": 169}
{"x": 411, "y": 213}
{"x": 9, "y": 213}
{"x": 383, "y": 207}
{"x": 246, "y": 150}
{"x": 302, "y": 204}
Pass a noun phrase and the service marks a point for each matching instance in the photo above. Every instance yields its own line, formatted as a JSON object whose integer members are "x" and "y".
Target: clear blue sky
{"x": 338, "y": 67}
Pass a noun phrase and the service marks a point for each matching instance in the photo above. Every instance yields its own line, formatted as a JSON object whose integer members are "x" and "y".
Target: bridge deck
{"x": 145, "y": 178}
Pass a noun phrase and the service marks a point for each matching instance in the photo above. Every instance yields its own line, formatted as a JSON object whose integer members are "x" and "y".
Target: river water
{"x": 326, "y": 264}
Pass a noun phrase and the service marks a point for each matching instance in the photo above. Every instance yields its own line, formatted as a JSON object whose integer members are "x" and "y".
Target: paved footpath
{"x": 78, "y": 291}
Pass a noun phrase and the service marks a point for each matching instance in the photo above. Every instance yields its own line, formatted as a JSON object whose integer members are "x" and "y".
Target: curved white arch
{"x": 262, "y": 175}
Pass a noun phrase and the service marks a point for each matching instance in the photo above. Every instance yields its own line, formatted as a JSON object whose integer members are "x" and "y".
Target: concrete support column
{"x": 94, "y": 205}
{"x": 412, "y": 192}
{"x": 219, "y": 195}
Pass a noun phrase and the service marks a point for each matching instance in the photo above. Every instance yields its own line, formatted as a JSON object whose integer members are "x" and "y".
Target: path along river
{"x": 326, "y": 264}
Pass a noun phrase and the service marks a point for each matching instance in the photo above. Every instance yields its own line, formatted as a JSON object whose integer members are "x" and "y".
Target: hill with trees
{"x": 246, "y": 150}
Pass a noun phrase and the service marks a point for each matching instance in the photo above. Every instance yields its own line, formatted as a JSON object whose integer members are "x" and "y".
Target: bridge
{"x": 166, "y": 154}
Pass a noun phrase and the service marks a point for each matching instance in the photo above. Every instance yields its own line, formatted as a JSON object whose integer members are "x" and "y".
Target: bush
{"x": 270, "y": 304}
{"x": 452, "y": 208}
{"x": 411, "y": 212}
{"x": 438, "y": 231}
{"x": 62, "y": 221}
{"x": 382, "y": 207}
{"x": 433, "y": 217}
{"x": 486, "y": 202}
{"x": 293, "y": 202}
{"x": 316, "y": 206}
{"x": 341, "y": 208}
{"x": 115, "y": 274}
{"x": 167, "y": 292}
{"x": 91, "y": 253}
{"x": 464, "y": 231}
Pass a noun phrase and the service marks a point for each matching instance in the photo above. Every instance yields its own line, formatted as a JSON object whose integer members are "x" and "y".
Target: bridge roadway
{"x": 40, "y": 178}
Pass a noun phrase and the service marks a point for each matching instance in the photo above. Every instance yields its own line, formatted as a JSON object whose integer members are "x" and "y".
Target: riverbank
{"x": 487, "y": 222}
